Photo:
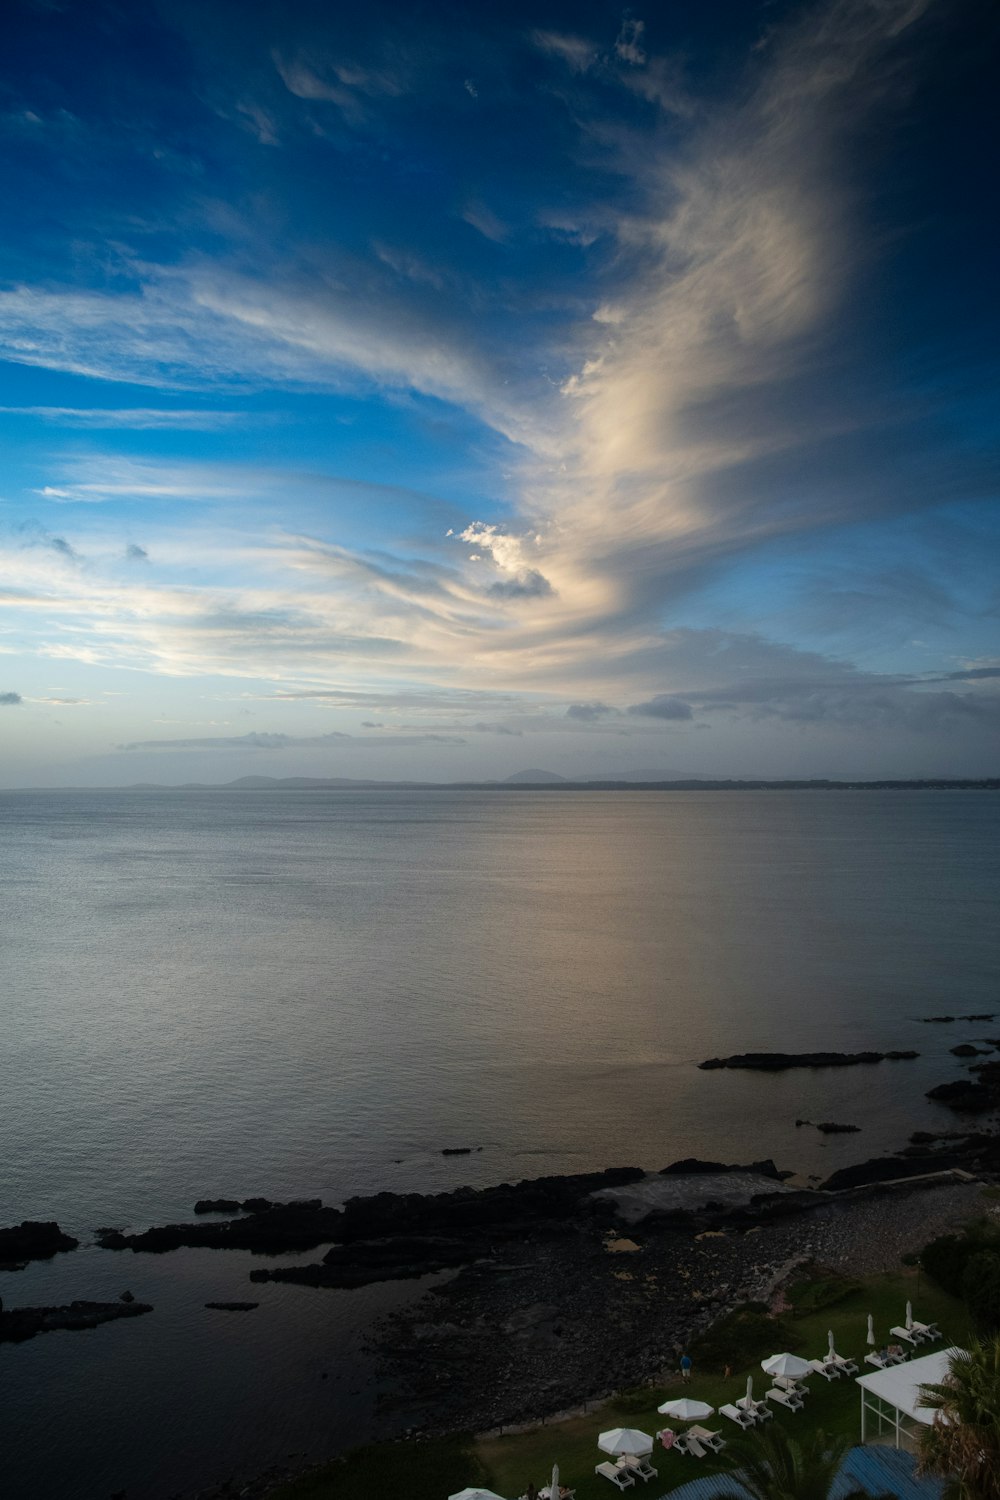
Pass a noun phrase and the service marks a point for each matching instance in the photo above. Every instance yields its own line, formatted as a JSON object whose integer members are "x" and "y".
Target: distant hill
{"x": 267, "y": 784}
{"x": 533, "y": 778}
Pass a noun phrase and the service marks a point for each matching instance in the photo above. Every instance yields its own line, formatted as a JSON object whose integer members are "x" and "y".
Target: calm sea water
{"x": 312, "y": 993}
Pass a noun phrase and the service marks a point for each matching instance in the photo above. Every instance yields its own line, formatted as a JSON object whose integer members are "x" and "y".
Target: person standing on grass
{"x": 685, "y": 1367}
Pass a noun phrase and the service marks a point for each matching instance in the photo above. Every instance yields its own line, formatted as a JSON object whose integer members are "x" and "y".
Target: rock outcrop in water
{"x": 964, "y": 1096}
{"x": 690, "y": 1166}
{"x": 32, "y": 1240}
{"x": 20, "y": 1323}
{"x": 504, "y": 1211}
{"x": 778, "y": 1062}
{"x": 941, "y": 1020}
{"x": 289, "y": 1226}
{"x": 248, "y": 1205}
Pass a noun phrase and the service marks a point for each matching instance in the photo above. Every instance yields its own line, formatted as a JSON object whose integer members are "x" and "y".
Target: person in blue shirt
{"x": 686, "y": 1366}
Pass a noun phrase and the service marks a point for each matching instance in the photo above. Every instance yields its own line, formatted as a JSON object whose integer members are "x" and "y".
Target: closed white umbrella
{"x": 749, "y": 1395}
{"x": 909, "y": 1316}
{"x": 625, "y": 1440}
{"x": 554, "y": 1485}
{"x": 829, "y": 1340}
{"x": 871, "y": 1330}
{"x": 476, "y": 1495}
{"x": 686, "y": 1410}
{"x": 789, "y": 1366}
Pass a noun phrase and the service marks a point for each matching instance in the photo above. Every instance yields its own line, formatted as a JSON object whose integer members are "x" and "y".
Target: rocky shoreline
{"x": 546, "y": 1292}
{"x": 563, "y": 1320}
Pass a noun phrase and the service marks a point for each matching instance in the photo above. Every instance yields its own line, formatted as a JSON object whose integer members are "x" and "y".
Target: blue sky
{"x": 437, "y": 391}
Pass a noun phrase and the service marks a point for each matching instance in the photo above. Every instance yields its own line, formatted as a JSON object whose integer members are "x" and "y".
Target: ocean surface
{"x": 312, "y": 993}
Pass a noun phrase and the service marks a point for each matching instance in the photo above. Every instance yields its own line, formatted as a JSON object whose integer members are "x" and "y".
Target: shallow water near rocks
{"x": 313, "y": 993}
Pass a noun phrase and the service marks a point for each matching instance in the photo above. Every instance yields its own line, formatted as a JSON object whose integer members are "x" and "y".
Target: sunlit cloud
{"x": 630, "y": 372}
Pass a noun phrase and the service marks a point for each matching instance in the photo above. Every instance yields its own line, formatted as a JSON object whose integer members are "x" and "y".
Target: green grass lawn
{"x": 434, "y": 1470}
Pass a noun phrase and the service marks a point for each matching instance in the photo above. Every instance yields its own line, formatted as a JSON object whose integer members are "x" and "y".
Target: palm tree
{"x": 773, "y": 1466}
{"x": 963, "y": 1443}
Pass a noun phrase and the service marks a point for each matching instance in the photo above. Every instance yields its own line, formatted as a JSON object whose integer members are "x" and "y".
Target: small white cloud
{"x": 628, "y": 45}
{"x": 575, "y": 51}
{"x": 485, "y": 220}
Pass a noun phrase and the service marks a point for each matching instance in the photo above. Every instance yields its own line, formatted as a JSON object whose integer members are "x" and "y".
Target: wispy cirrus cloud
{"x": 132, "y": 418}
{"x": 257, "y": 740}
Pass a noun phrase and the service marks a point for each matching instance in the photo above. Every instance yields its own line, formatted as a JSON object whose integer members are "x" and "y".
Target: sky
{"x": 435, "y": 391}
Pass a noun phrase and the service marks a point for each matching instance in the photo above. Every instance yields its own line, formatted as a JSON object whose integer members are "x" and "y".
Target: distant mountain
{"x": 533, "y": 778}
{"x": 647, "y": 775}
{"x": 267, "y": 784}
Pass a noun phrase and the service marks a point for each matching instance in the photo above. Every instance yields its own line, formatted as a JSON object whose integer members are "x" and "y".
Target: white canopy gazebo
{"x": 893, "y": 1395}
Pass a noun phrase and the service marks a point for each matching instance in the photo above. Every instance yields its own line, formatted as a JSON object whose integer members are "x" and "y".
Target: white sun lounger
{"x": 877, "y": 1361}
{"x": 738, "y": 1415}
{"x": 785, "y": 1398}
{"x": 908, "y": 1335}
{"x": 619, "y": 1477}
{"x": 695, "y": 1448}
{"x": 640, "y": 1467}
{"x": 708, "y": 1439}
{"x": 846, "y": 1366}
{"x": 757, "y": 1411}
{"x": 826, "y": 1369}
{"x": 930, "y": 1332}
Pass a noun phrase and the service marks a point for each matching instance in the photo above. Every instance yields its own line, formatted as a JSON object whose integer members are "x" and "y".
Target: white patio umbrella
{"x": 909, "y": 1316}
{"x": 749, "y": 1395}
{"x": 554, "y": 1483}
{"x": 789, "y": 1366}
{"x": 476, "y": 1495}
{"x": 830, "y": 1341}
{"x": 625, "y": 1440}
{"x": 871, "y": 1330}
{"x": 686, "y": 1410}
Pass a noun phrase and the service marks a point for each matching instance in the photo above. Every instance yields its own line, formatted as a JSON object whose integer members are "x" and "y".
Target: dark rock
{"x": 828, "y": 1127}
{"x": 506, "y": 1208}
{"x": 986, "y": 1016}
{"x": 964, "y": 1095}
{"x": 509, "y": 1210}
{"x": 22, "y": 1323}
{"x": 126, "y": 1297}
{"x": 363, "y": 1262}
{"x": 927, "y": 1137}
{"x": 690, "y": 1166}
{"x": 889, "y": 1168}
{"x": 777, "y": 1062}
{"x": 257, "y": 1205}
{"x": 457, "y": 1150}
{"x": 233, "y": 1306}
{"x": 217, "y": 1206}
{"x": 966, "y": 1049}
{"x": 31, "y": 1240}
{"x": 285, "y": 1227}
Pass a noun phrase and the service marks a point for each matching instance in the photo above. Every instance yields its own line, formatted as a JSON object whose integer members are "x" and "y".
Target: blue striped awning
{"x": 876, "y": 1469}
